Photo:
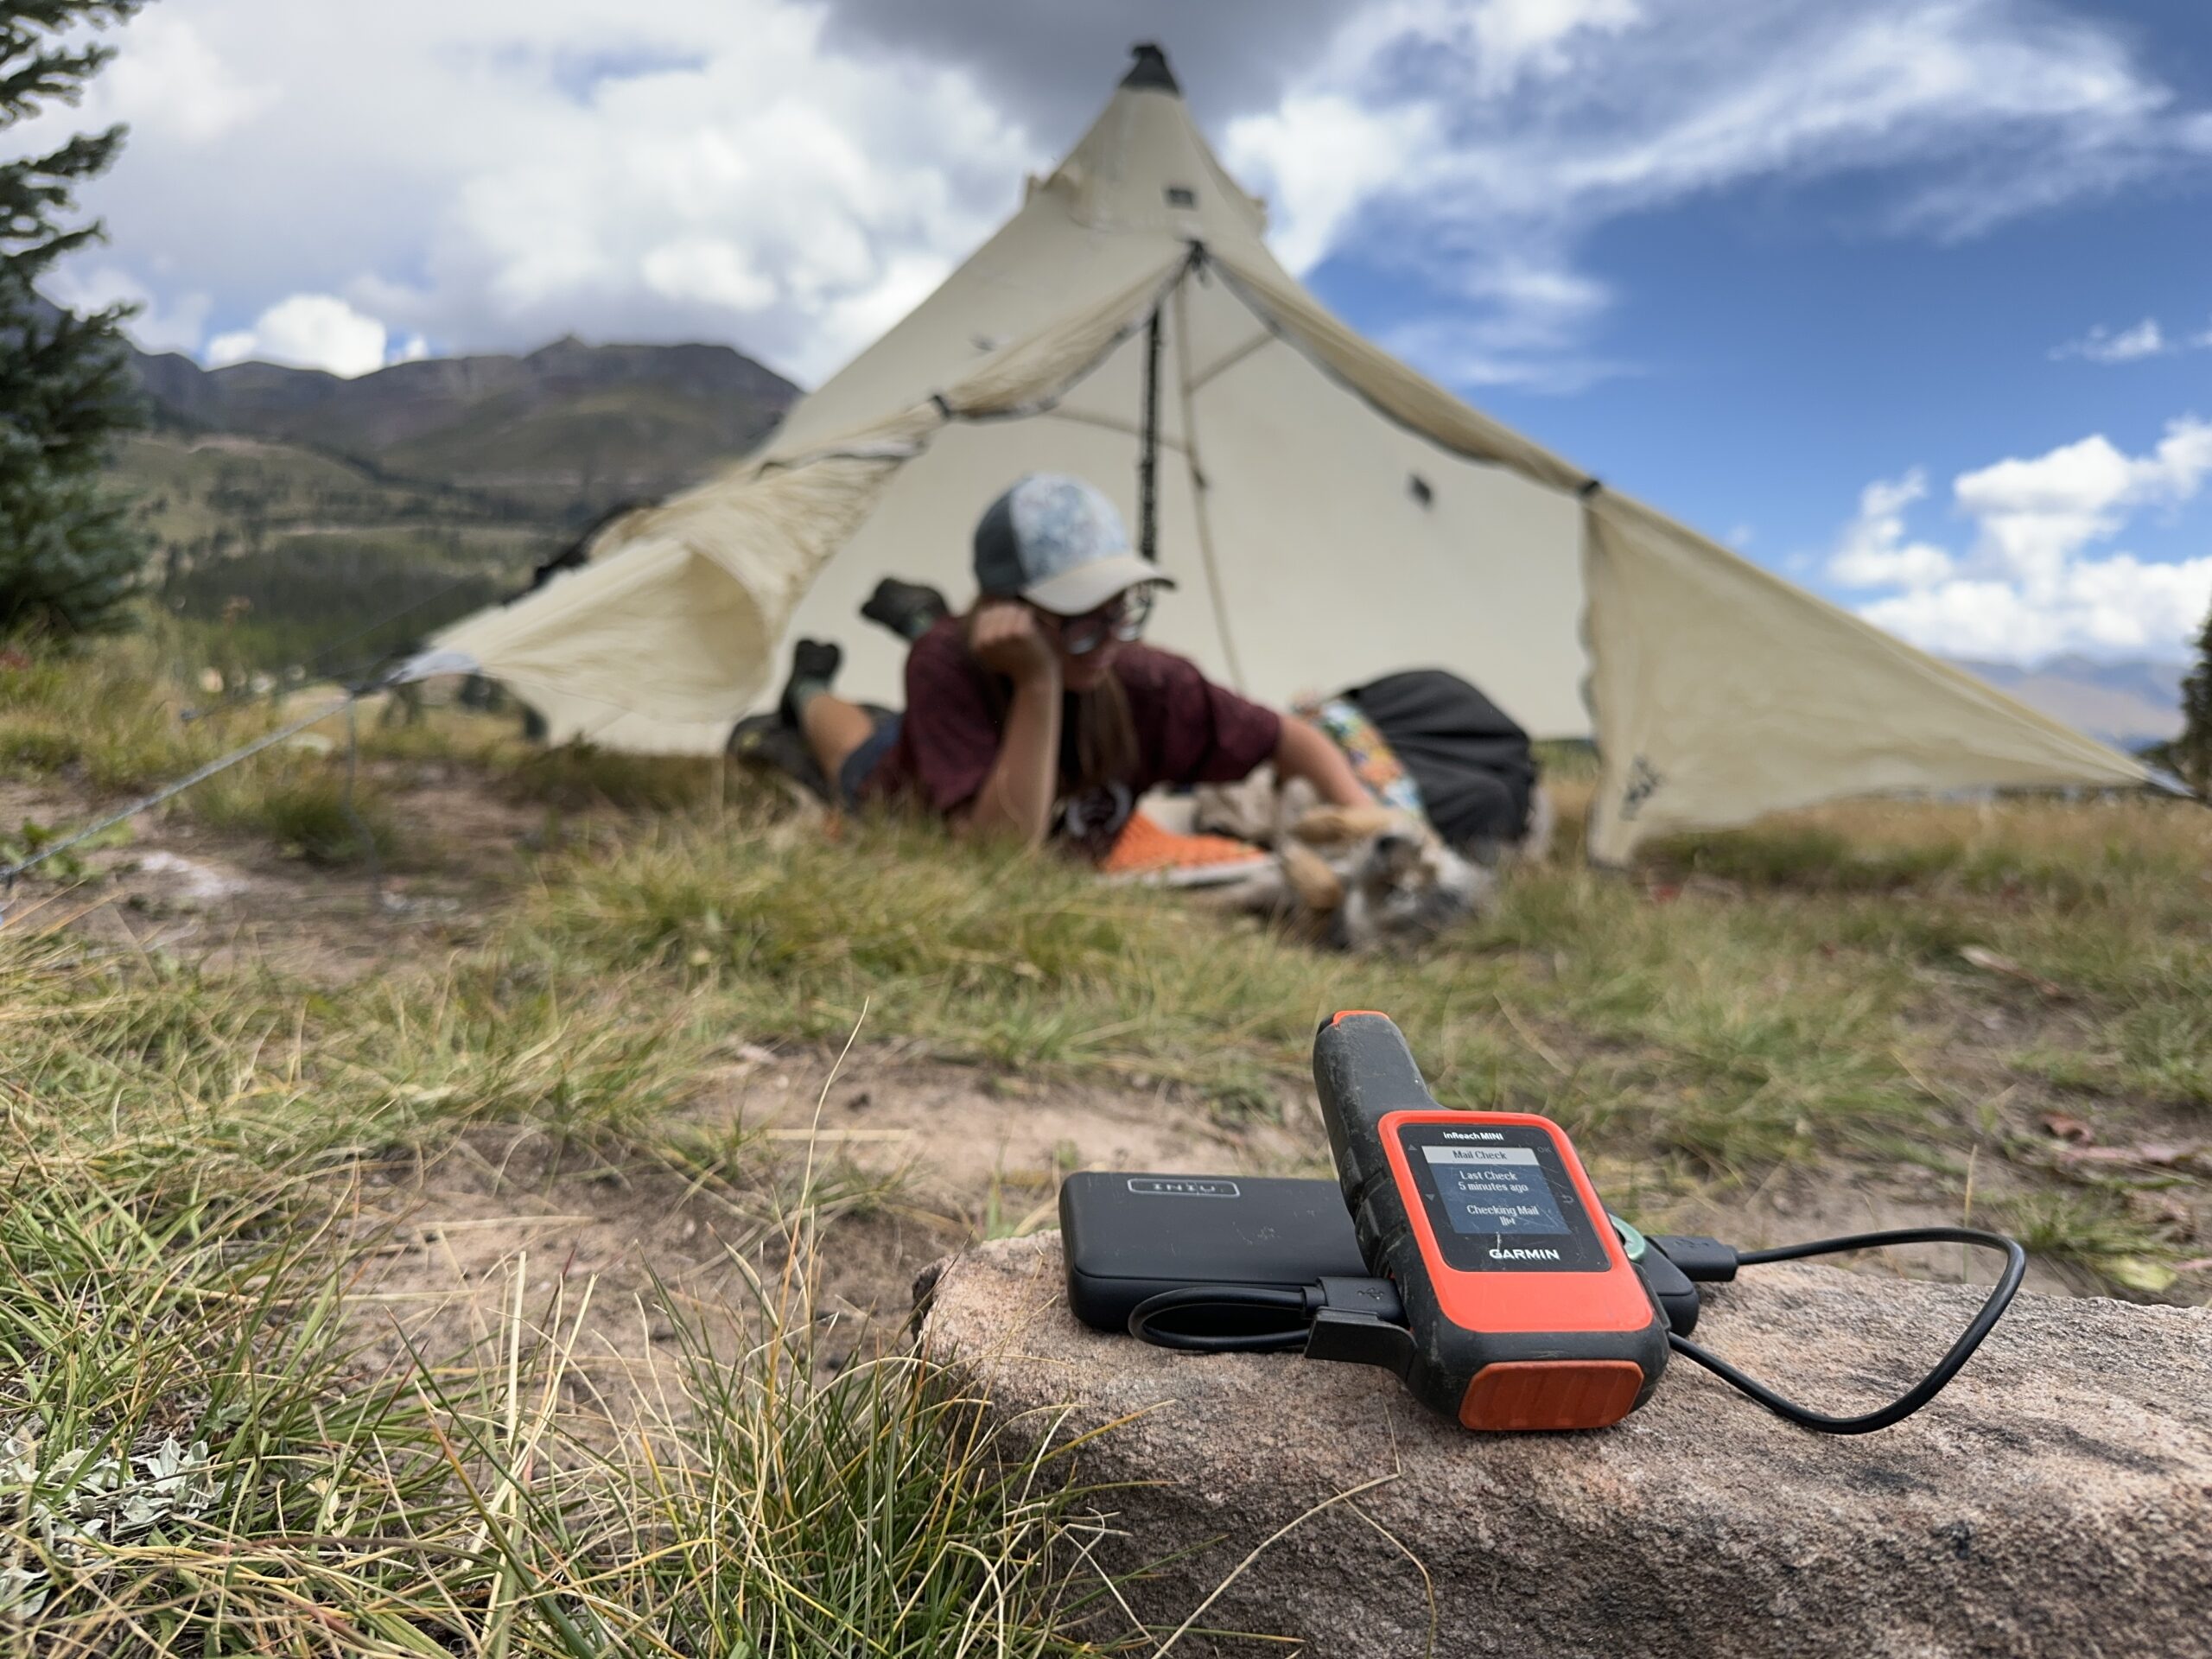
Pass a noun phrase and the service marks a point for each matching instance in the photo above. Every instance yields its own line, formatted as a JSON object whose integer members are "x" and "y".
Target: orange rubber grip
{"x": 1551, "y": 1394}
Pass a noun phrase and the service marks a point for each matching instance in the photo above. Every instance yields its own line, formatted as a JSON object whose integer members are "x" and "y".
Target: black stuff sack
{"x": 1474, "y": 766}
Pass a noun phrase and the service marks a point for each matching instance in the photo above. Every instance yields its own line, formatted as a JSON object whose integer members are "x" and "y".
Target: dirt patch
{"x": 230, "y": 901}
{"x": 1838, "y": 1197}
{"x": 906, "y": 1162}
{"x": 955, "y": 1134}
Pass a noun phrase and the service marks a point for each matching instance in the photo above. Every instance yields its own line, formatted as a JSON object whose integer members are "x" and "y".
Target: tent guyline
{"x": 1351, "y": 518}
{"x": 221, "y": 763}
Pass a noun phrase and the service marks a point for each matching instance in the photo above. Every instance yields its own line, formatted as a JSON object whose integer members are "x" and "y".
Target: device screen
{"x": 1499, "y": 1199}
{"x": 1495, "y": 1190}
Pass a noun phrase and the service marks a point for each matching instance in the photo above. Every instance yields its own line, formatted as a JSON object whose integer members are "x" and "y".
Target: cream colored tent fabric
{"x": 1329, "y": 514}
{"x": 1722, "y": 692}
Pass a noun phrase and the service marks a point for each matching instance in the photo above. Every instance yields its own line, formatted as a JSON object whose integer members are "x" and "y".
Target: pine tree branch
{"x": 70, "y": 557}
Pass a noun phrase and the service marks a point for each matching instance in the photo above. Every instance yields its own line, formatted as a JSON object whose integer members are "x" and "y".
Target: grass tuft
{"x": 576, "y": 776}
{"x": 195, "y": 1458}
{"x": 302, "y": 803}
{"x": 1029, "y": 964}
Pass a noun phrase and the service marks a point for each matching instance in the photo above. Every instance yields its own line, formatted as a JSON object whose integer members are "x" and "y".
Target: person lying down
{"x": 1039, "y": 715}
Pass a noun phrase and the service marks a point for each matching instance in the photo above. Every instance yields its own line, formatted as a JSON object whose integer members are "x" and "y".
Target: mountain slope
{"x": 568, "y": 431}
{"x": 2126, "y": 704}
{"x": 303, "y": 518}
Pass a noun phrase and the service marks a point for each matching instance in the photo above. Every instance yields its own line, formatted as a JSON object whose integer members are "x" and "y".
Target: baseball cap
{"x": 1058, "y": 543}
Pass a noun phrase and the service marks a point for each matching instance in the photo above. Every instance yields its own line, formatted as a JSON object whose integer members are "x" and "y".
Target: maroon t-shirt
{"x": 1188, "y": 731}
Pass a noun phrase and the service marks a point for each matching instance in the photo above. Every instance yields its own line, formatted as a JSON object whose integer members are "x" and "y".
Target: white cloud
{"x": 1523, "y": 327}
{"x": 1872, "y": 551}
{"x": 1321, "y": 154}
{"x": 308, "y": 331}
{"x": 492, "y": 175}
{"x": 2027, "y": 588}
{"x": 2036, "y": 515}
{"x": 1542, "y": 121}
{"x": 176, "y": 326}
{"x": 488, "y": 175}
{"x": 2100, "y": 345}
{"x": 1517, "y": 38}
{"x": 2111, "y": 606}
{"x": 2146, "y": 339}
{"x": 172, "y": 87}
{"x": 709, "y": 269}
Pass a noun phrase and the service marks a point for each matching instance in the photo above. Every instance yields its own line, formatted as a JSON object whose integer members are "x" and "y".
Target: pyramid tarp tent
{"x": 1329, "y": 515}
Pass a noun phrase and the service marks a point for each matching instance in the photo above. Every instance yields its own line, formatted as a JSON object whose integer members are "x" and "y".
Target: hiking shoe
{"x": 1145, "y": 851}
{"x": 768, "y": 743}
{"x": 909, "y": 609}
{"x": 814, "y": 660}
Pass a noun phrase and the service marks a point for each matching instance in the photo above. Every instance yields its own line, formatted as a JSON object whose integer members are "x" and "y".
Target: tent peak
{"x": 1151, "y": 69}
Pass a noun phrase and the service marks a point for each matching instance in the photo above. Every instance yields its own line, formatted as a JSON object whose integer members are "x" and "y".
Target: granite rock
{"x": 2056, "y": 1499}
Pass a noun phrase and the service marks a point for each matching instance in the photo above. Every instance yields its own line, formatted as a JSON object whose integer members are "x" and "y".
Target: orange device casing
{"x": 1547, "y": 1329}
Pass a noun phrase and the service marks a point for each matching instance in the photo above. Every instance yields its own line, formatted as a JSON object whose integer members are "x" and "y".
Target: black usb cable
{"x": 1709, "y": 1260}
{"x": 1363, "y": 1321}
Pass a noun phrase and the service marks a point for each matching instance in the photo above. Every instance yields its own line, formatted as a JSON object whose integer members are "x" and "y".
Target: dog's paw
{"x": 1338, "y": 827}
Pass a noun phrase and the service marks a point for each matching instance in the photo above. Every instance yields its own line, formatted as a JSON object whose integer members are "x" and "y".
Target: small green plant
{"x": 66, "y": 864}
{"x": 108, "y": 714}
{"x": 305, "y": 807}
{"x": 34, "y": 747}
{"x": 871, "y": 1511}
{"x": 1802, "y": 856}
{"x": 197, "y": 1457}
{"x": 2093, "y": 1230}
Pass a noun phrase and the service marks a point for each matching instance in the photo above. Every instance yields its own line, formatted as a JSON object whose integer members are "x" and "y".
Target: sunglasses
{"x": 1121, "y": 618}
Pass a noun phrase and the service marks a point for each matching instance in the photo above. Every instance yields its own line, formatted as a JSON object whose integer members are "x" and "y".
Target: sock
{"x": 815, "y": 663}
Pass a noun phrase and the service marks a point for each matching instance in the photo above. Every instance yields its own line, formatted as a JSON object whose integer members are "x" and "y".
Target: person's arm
{"x": 1016, "y": 799}
{"x": 1303, "y": 752}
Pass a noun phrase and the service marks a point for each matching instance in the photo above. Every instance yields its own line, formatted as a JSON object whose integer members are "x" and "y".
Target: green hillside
{"x": 302, "y": 521}
{"x": 585, "y": 453}
{"x": 277, "y": 551}
{"x": 206, "y": 494}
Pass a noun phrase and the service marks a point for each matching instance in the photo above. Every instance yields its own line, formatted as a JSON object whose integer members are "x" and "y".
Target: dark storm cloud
{"x": 1049, "y": 64}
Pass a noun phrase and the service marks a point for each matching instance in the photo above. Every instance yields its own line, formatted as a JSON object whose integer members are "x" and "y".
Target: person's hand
{"x": 1005, "y": 638}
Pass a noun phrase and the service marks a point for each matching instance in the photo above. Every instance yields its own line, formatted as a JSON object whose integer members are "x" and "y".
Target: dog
{"x": 1353, "y": 879}
{"x": 1263, "y": 809}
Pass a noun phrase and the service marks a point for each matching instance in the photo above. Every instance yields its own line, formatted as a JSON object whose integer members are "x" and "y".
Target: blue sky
{"x": 1772, "y": 347}
{"x": 1909, "y": 299}
{"x": 1770, "y": 369}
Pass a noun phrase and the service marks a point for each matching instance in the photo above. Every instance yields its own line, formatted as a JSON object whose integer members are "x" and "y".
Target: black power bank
{"x": 1129, "y": 1237}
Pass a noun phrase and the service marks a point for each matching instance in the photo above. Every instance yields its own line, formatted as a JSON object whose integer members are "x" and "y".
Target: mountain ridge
{"x": 570, "y": 427}
{"x": 283, "y": 505}
{"x": 2129, "y": 702}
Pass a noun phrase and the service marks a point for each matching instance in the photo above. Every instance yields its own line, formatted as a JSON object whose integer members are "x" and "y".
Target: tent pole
{"x": 1148, "y": 447}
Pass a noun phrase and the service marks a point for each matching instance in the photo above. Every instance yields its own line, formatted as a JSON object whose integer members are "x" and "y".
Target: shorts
{"x": 860, "y": 766}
